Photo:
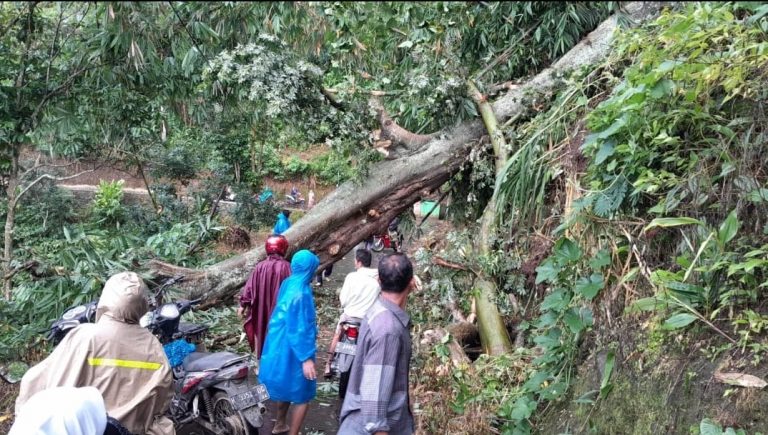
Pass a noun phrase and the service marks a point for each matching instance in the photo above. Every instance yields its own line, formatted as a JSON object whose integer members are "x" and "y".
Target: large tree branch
{"x": 56, "y": 91}
{"x": 49, "y": 177}
{"x": 393, "y": 132}
{"x": 343, "y": 219}
{"x": 51, "y": 55}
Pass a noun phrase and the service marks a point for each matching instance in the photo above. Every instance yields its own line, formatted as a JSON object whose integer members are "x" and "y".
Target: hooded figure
{"x": 282, "y": 223}
{"x": 260, "y": 291}
{"x": 124, "y": 361}
{"x": 62, "y": 411}
{"x": 291, "y": 335}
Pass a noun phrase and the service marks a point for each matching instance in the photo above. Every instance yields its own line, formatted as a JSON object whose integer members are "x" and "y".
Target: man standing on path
{"x": 377, "y": 399}
{"x": 260, "y": 292}
{"x": 359, "y": 292}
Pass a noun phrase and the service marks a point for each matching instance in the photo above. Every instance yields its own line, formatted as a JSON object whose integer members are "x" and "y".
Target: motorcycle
{"x": 213, "y": 390}
{"x": 344, "y": 354}
{"x": 294, "y": 200}
{"x": 266, "y": 195}
{"x": 391, "y": 239}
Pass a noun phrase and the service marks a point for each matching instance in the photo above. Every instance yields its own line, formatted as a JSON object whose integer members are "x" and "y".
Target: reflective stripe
{"x": 124, "y": 363}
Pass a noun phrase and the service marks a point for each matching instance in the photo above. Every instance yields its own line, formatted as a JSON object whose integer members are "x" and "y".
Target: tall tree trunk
{"x": 353, "y": 211}
{"x": 146, "y": 186}
{"x": 493, "y": 333}
{"x": 10, "y": 222}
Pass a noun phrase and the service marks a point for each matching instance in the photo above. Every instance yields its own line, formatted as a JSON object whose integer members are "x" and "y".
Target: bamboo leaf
{"x": 672, "y": 222}
{"x": 679, "y": 321}
{"x": 605, "y": 385}
{"x": 728, "y": 228}
{"x": 646, "y": 304}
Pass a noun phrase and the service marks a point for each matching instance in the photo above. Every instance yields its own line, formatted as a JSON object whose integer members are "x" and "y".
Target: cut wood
{"x": 740, "y": 380}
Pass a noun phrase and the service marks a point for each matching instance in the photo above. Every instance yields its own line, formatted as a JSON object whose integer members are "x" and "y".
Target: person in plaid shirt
{"x": 377, "y": 399}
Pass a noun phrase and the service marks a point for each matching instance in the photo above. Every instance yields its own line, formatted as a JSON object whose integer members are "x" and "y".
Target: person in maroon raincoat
{"x": 260, "y": 292}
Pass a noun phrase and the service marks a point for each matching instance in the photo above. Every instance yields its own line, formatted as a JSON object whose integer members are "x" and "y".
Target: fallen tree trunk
{"x": 354, "y": 211}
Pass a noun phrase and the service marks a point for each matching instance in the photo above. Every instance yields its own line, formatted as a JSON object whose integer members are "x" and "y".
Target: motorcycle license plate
{"x": 250, "y": 398}
{"x": 346, "y": 348}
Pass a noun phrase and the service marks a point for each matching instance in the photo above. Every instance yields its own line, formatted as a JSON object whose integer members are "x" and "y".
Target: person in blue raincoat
{"x": 282, "y": 223}
{"x": 288, "y": 362}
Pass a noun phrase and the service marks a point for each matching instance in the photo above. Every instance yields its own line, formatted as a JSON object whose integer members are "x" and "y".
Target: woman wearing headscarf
{"x": 62, "y": 411}
{"x": 288, "y": 361}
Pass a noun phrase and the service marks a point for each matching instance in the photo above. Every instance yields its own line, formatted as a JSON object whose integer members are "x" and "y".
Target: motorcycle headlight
{"x": 169, "y": 311}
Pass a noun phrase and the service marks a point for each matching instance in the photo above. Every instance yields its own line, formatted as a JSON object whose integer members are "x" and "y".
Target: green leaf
{"x": 616, "y": 126}
{"x": 589, "y": 287}
{"x": 646, "y": 304}
{"x": 573, "y": 320}
{"x": 534, "y": 383}
{"x": 587, "y": 398}
{"x": 405, "y": 44}
{"x": 605, "y": 385}
{"x": 672, "y": 222}
{"x": 605, "y": 151}
{"x": 728, "y": 228}
{"x": 556, "y": 301}
{"x": 567, "y": 250}
{"x": 709, "y": 427}
{"x": 679, "y": 321}
{"x": 667, "y": 66}
{"x": 547, "y": 271}
{"x": 523, "y": 408}
{"x": 662, "y": 89}
{"x": 600, "y": 260}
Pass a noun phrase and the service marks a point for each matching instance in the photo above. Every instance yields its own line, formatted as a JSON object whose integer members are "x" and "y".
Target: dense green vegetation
{"x": 636, "y": 194}
{"x": 664, "y": 213}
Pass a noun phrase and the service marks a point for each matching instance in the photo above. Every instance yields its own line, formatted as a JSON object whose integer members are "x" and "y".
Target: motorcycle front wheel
{"x": 228, "y": 419}
{"x": 378, "y": 244}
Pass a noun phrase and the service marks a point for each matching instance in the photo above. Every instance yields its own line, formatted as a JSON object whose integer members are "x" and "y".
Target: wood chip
{"x": 740, "y": 380}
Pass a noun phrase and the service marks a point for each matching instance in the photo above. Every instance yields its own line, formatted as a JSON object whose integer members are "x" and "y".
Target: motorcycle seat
{"x": 201, "y": 361}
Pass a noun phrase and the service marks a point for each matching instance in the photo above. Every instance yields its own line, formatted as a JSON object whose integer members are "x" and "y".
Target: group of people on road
{"x": 377, "y": 395}
{"x": 117, "y": 371}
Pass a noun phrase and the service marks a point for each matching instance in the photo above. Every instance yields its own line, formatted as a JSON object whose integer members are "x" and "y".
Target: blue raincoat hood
{"x": 292, "y": 333}
{"x": 282, "y": 224}
{"x": 303, "y": 266}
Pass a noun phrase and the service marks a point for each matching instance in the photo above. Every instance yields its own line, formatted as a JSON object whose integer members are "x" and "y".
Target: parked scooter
{"x": 344, "y": 354}
{"x": 390, "y": 239}
{"x": 213, "y": 390}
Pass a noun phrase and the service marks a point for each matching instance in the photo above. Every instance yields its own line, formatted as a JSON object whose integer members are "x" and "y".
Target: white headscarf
{"x": 62, "y": 411}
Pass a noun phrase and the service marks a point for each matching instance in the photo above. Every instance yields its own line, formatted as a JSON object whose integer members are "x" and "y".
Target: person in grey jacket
{"x": 377, "y": 399}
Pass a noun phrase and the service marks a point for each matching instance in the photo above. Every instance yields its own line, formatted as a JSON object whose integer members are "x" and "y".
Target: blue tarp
{"x": 177, "y": 350}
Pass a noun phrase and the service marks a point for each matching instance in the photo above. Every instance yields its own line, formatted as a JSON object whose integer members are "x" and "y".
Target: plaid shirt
{"x": 377, "y": 395}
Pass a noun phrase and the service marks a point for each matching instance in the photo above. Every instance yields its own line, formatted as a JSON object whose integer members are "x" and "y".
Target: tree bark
{"x": 354, "y": 211}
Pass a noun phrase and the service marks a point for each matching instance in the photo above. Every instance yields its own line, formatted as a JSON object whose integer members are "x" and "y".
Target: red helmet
{"x": 276, "y": 245}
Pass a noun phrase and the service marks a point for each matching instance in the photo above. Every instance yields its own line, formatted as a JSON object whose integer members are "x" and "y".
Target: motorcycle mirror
{"x": 146, "y": 319}
{"x": 13, "y": 372}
